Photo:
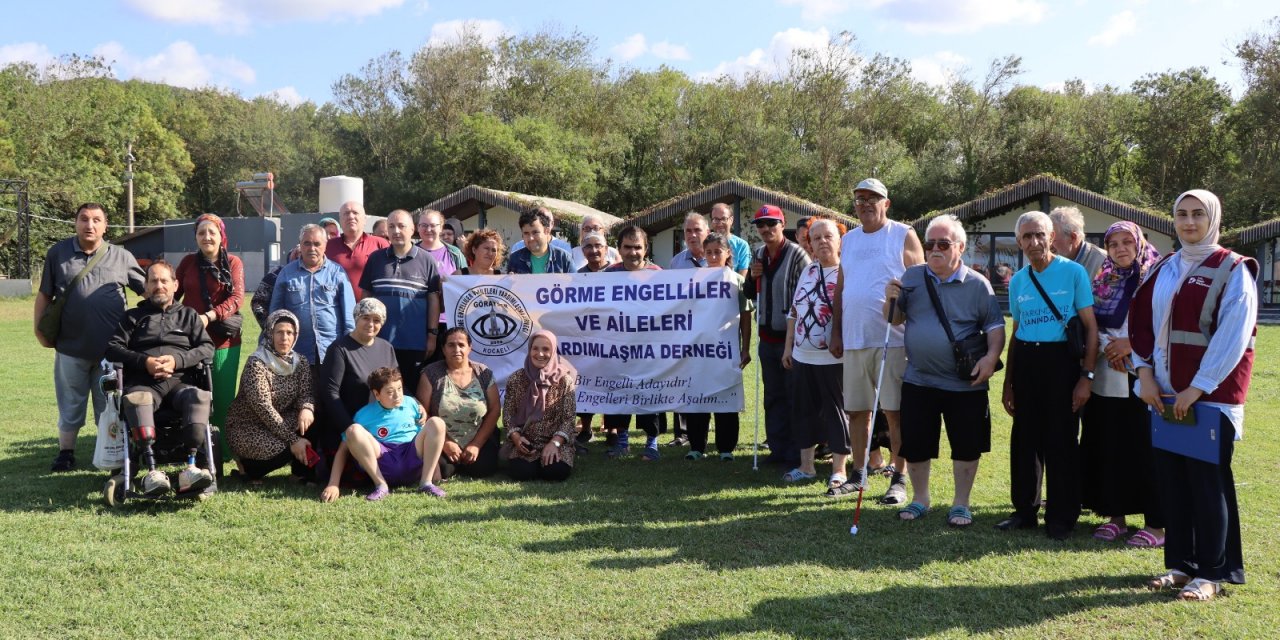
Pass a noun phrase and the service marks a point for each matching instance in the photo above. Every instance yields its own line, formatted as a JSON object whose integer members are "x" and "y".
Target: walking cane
{"x": 755, "y": 441}
{"x": 875, "y": 405}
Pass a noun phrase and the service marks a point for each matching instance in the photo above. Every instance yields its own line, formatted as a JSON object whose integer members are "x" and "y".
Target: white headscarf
{"x": 1196, "y": 253}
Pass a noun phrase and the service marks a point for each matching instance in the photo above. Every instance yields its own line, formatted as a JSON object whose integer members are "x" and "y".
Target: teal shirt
{"x": 390, "y": 426}
{"x": 538, "y": 264}
{"x": 1068, "y": 286}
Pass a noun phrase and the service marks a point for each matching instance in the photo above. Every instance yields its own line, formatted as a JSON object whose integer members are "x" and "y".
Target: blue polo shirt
{"x": 1067, "y": 284}
{"x": 404, "y": 285}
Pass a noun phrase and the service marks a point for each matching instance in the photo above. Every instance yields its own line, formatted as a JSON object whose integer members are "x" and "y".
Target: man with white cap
{"x": 871, "y": 255}
{"x": 591, "y": 223}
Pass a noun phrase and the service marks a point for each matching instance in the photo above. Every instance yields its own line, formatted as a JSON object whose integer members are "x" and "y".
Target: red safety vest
{"x": 1193, "y": 321}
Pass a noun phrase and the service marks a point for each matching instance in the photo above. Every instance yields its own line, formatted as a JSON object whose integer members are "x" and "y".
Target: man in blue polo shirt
{"x": 404, "y": 277}
{"x": 722, "y": 223}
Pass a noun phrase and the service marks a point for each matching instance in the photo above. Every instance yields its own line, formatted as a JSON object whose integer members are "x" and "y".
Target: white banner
{"x": 642, "y": 341}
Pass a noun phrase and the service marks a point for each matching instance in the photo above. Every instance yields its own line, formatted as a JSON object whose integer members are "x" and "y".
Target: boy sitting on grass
{"x": 391, "y": 441}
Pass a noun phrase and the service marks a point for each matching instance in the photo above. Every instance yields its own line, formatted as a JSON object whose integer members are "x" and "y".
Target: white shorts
{"x": 860, "y": 369}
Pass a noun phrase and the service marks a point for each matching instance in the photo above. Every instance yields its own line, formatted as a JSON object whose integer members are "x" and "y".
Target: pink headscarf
{"x": 532, "y": 407}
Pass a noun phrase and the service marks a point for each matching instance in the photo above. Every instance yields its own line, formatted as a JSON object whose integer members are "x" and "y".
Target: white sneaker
{"x": 155, "y": 483}
{"x": 193, "y": 479}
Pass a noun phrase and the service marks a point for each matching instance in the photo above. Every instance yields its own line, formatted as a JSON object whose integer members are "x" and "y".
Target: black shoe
{"x": 66, "y": 461}
{"x": 678, "y": 441}
{"x": 1057, "y": 531}
{"x": 1016, "y": 522}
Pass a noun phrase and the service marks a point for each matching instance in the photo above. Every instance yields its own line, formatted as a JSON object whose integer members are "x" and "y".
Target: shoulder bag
{"x": 51, "y": 321}
{"x": 968, "y": 351}
{"x": 1074, "y": 328}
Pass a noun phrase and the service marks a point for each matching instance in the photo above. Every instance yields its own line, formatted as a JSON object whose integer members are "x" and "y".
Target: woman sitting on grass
{"x": 462, "y": 395}
{"x": 540, "y": 412}
{"x": 390, "y": 442}
{"x": 268, "y": 421}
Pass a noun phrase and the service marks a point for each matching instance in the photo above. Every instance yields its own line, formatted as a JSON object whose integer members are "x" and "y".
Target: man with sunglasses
{"x": 934, "y": 388}
{"x": 878, "y": 251}
{"x": 775, "y": 271}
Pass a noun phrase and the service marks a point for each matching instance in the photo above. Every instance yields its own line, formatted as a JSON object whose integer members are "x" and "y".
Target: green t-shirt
{"x": 538, "y": 264}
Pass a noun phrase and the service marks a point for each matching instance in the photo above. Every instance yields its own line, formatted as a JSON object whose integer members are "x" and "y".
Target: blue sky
{"x": 295, "y": 49}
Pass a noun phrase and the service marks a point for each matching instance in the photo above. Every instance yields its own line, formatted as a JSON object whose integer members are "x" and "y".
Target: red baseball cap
{"x": 768, "y": 212}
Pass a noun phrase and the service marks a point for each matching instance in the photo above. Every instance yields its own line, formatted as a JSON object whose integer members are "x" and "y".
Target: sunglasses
{"x": 940, "y": 244}
{"x": 767, "y": 223}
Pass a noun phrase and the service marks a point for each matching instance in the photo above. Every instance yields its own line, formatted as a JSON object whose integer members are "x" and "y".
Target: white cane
{"x": 755, "y": 444}
{"x": 875, "y": 406}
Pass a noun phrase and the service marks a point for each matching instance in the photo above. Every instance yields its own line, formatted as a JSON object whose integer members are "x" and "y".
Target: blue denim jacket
{"x": 323, "y": 302}
{"x": 560, "y": 261}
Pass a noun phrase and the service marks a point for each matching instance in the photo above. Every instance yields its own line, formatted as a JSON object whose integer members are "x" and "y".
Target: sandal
{"x": 915, "y": 510}
{"x": 1107, "y": 532}
{"x": 796, "y": 475}
{"x": 959, "y": 512}
{"x": 693, "y": 455}
{"x": 897, "y": 494}
{"x": 1195, "y": 590}
{"x": 1145, "y": 540}
{"x": 1174, "y": 579}
{"x": 836, "y": 480}
{"x": 887, "y": 471}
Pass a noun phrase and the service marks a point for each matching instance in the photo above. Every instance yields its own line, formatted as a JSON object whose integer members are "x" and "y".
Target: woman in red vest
{"x": 1194, "y": 348}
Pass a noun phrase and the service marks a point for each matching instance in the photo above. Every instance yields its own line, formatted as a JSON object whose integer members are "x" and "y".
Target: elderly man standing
{"x": 591, "y": 223}
{"x": 937, "y": 385}
{"x": 352, "y": 249}
{"x": 89, "y": 275}
{"x": 539, "y": 255}
{"x": 1046, "y": 383}
{"x": 317, "y": 291}
{"x": 775, "y": 271}
{"x": 1069, "y": 241}
{"x": 633, "y": 243}
{"x": 722, "y": 223}
{"x": 405, "y": 279}
{"x": 871, "y": 255}
{"x": 693, "y": 257}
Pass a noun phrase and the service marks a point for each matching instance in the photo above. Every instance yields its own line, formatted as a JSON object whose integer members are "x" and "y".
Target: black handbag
{"x": 1074, "y": 327}
{"x": 967, "y": 352}
{"x": 225, "y": 328}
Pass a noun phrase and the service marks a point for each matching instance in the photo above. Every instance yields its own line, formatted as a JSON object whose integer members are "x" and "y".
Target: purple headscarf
{"x": 1114, "y": 285}
{"x": 531, "y": 408}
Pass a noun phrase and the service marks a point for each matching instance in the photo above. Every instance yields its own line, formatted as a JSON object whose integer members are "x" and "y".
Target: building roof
{"x": 1032, "y": 188}
{"x": 665, "y": 214}
{"x": 1252, "y": 234}
{"x": 464, "y": 203}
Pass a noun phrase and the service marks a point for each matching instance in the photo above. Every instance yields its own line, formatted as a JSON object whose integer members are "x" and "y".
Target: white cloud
{"x": 285, "y": 95}
{"x": 631, "y": 48}
{"x": 637, "y": 45}
{"x": 32, "y": 52}
{"x": 772, "y": 59}
{"x": 178, "y": 64}
{"x": 819, "y": 10}
{"x": 240, "y": 14}
{"x": 959, "y": 16}
{"x": 449, "y": 31}
{"x": 667, "y": 51}
{"x": 937, "y": 69}
{"x": 1117, "y": 27}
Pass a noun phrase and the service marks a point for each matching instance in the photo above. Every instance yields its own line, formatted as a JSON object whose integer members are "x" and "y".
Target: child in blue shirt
{"x": 391, "y": 440}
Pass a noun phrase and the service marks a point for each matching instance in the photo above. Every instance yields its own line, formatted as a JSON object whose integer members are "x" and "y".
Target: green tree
{"x": 1180, "y": 143}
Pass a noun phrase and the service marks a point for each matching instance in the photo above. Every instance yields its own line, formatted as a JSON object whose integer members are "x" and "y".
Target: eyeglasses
{"x": 944, "y": 245}
{"x": 767, "y": 223}
{"x": 429, "y": 226}
{"x": 871, "y": 200}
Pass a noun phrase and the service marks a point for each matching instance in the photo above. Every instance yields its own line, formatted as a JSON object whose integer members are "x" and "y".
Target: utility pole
{"x": 128, "y": 178}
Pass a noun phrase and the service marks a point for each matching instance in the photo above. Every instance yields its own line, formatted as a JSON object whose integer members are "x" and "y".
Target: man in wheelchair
{"x": 160, "y": 343}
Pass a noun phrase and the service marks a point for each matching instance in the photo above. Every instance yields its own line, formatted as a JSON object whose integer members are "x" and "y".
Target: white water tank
{"x": 336, "y": 190}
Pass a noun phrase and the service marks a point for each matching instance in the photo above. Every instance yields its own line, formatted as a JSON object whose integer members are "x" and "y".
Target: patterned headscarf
{"x": 531, "y": 408}
{"x": 1114, "y": 285}
{"x": 220, "y": 267}
{"x": 281, "y": 364}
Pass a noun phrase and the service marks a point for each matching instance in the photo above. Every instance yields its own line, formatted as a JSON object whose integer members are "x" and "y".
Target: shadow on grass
{"x": 919, "y": 611}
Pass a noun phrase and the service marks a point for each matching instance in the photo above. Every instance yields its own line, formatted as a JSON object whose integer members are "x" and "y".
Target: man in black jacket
{"x": 160, "y": 343}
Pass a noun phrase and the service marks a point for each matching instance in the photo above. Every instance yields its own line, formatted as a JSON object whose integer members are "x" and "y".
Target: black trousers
{"x": 1045, "y": 433}
{"x": 1202, "y": 536}
{"x": 699, "y": 424}
{"x": 410, "y": 363}
{"x": 648, "y": 423}
{"x": 486, "y": 463}
{"x": 254, "y": 469}
{"x": 520, "y": 469}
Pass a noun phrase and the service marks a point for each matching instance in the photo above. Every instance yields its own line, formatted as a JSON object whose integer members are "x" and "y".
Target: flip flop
{"x": 1145, "y": 540}
{"x": 1108, "y": 532}
{"x": 915, "y": 510}
{"x": 957, "y": 512}
{"x": 796, "y": 475}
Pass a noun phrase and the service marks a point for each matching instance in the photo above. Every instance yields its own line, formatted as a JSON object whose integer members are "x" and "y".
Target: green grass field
{"x": 625, "y": 549}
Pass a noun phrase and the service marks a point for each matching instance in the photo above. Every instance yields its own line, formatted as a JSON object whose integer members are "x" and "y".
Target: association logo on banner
{"x": 495, "y": 317}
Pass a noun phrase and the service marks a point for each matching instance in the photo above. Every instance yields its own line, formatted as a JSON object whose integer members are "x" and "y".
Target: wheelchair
{"x": 167, "y": 448}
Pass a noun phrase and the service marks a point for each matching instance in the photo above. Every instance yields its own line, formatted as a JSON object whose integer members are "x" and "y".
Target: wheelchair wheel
{"x": 113, "y": 491}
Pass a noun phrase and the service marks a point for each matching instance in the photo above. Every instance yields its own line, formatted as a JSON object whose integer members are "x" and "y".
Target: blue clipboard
{"x": 1199, "y": 440}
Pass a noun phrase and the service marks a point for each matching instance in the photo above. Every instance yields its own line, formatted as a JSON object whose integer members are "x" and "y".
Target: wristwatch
{"x": 1085, "y": 373}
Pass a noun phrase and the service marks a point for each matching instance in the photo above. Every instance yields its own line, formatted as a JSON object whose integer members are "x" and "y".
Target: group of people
{"x": 359, "y": 377}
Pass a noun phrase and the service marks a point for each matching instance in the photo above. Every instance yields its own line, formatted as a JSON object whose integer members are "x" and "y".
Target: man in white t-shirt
{"x": 591, "y": 223}
{"x": 874, "y": 253}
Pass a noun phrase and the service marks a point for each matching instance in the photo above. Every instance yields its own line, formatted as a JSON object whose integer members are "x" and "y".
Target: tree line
{"x": 542, "y": 113}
